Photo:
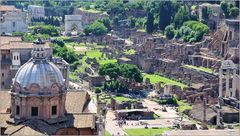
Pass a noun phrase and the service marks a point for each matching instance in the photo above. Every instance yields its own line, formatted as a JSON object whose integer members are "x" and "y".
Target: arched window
{"x": 17, "y": 110}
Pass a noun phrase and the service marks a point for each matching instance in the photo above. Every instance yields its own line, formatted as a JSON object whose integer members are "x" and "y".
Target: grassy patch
{"x": 90, "y": 10}
{"x": 129, "y": 52}
{"x": 146, "y": 132}
{"x": 105, "y": 97}
{"x": 107, "y": 133}
{"x": 122, "y": 98}
{"x": 156, "y": 78}
{"x": 141, "y": 30}
{"x": 73, "y": 77}
{"x": 207, "y": 70}
{"x": 75, "y": 44}
{"x": 183, "y": 105}
{"x": 101, "y": 59}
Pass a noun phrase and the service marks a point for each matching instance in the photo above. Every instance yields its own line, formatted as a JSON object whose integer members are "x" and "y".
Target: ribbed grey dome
{"x": 41, "y": 72}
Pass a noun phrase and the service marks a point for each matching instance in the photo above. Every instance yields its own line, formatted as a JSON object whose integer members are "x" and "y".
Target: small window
{"x": 54, "y": 110}
{"x": 34, "y": 111}
{"x": 2, "y": 74}
{"x": 3, "y": 83}
{"x": 231, "y": 83}
{"x": 14, "y": 57}
{"x": 17, "y": 110}
{"x": 3, "y": 56}
{"x": 14, "y": 24}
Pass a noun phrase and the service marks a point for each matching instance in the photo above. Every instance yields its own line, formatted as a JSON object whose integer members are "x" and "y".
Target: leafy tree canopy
{"x": 113, "y": 70}
{"x": 229, "y": 10}
{"x": 96, "y": 28}
{"x": 46, "y": 29}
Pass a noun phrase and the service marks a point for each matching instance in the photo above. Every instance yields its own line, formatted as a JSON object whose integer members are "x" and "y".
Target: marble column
{"x": 227, "y": 84}
{"x": 193, "y": 62}
{"x": 208, "y": 64}
{"x": 220, "y": 83}
{"x": 234, "y": 83}
{"x": 218, "y": 119}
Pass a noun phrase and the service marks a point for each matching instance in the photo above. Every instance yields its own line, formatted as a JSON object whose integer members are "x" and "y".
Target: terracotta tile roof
{"x": 76, "y": 101}
{"x": 20, "y": 45}
{"x": 27, "y": 131}
{"x": 8, "y": 8}
{"x": 194, "y": 113}
{"x": 88, "y": 119}
{"x": 11, "y": 129}
{"x": 40, "y": 127}
{"x": 5, "y": 101}
{"x": 7, "y": 39}
{"x": 3, "y": 118}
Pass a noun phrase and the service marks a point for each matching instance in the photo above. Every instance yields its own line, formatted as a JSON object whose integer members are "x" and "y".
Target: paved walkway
{"x": 111, "y": 125}
{"x": 153, "y": 106}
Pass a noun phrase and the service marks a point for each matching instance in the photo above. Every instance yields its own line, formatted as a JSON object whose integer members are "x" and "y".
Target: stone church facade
{"x": 12, "y": 20}
{"x": 39, "y": 102}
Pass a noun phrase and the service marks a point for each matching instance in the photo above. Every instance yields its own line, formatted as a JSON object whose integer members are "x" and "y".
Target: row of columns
{"x": 230, "y": 92}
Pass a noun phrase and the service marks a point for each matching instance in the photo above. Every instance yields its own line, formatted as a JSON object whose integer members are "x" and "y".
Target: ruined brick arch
{"x": 74, "y": 27}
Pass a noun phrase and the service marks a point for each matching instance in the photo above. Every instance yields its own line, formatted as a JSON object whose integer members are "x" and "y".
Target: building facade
{"x": 35, "y": 12}
{"x": 13, "y": 54}
{"x": 38, "y": 89}
{"x": 12, "y": 20}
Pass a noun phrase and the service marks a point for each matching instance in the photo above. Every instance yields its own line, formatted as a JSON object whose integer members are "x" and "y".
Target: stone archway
{"x": 74, "y": 29}
{"x": 73, "y": 24}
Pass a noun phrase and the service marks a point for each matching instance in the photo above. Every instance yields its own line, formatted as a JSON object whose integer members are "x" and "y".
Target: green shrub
{"x": 169, "y": 31}
{"x": 18, "y": 34}
{"x": 96, "y": 28}
{"x": 192, "y": 31}
{"x": 46, "y": 29}
{"x": 98, "y": 90}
